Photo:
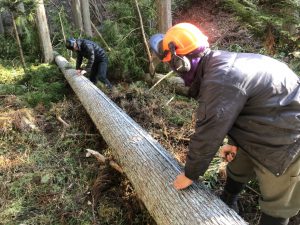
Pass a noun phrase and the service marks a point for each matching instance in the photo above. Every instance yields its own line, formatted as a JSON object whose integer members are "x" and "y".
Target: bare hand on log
{"x": 80, "y": 72}
{"x": 182, "y": 182}
{"x": 228, "y": 152}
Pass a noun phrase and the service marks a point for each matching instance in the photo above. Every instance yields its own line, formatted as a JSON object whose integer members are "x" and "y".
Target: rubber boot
{"x": 270, "y": 220}
{"x": 230, "y": 194}
{"x": 230, "y": 200}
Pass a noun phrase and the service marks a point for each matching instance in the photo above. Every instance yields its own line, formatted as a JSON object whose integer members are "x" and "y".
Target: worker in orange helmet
{"x": 255, "y": 101}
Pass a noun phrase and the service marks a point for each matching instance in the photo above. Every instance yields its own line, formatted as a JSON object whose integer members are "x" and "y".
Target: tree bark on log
{"x": 148, "y": 166}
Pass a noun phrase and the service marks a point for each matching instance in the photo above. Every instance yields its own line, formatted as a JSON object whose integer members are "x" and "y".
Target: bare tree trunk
{"x": 87, "y": 27}
{"x": 164, "y": 15}
{"x": 149, "y": 167}
{"x": 291, "y": 26}
{"x": 1, "y": 25}
{"x": 44, "y": 35}
{"x": 76, "y": 12}
{"x": 20, "y": 26}
{"x": 18, "y": 42}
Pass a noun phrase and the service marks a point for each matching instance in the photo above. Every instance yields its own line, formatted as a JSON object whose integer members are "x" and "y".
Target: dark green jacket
{"x": 254, "y": 99}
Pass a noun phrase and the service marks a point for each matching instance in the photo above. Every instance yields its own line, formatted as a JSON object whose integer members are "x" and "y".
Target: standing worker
{"x": 97, "y": 59}
{"x": 255, "y": 100}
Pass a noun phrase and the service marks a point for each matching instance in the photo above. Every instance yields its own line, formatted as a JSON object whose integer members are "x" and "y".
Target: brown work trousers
{"x": 280, "y": 195}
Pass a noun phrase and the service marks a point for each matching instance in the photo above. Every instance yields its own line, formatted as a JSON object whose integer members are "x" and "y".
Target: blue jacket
{"x": 254, "y": 99}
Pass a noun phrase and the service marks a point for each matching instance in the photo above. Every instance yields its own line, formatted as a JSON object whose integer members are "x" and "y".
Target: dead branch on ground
{"x": 102, "y": 159}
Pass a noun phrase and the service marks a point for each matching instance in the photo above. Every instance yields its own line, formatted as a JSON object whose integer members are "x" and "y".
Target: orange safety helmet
{"x": 186, "y": 37}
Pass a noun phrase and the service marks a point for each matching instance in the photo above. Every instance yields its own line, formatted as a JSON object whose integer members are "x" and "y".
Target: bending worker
{"x": 97, "y": 59}
{"x": 255, "y": 100}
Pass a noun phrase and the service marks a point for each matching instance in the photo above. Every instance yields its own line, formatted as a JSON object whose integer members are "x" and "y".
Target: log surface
{"x": 148, "y": 166}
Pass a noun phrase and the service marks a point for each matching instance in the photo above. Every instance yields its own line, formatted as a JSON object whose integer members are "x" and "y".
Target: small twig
{"x": 251, "y": 189}
{"x": 57, "y": 7}
{"x": 103, "y": 159}
{"x": 103, "y": 6}
{"x": 144, "y": 36}
{"x": 75, "y": 135}
{"x": 61, "y": 24}
{"x": 8, "y": 106}
{"x": 128, "y": 35}
{"x": 161, "y": 79}
{"x": 183, "y": 139}
{"x": 95, "y": 28}
{"x": 93, "y": 210}
{"x": 4, "y": 96}
{"x": 171, "y": 99}
{"x": 62, "y": 121}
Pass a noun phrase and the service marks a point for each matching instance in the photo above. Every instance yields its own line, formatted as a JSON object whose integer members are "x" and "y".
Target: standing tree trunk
{"x": 149, "y": 167}
{"x": 164, "y": 15}
{"x": 18, "y": 42}
{"x": 76, "y": 12}
{"x": 21, "y": 24}
{"x": 87, "y": 27}
{"x": 1, "y": 25}
{"x": 291, "y": 25}
{"x": 44, "y": 35}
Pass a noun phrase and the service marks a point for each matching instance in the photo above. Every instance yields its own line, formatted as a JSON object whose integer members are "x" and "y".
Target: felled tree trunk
{"x": 148, "y": 166}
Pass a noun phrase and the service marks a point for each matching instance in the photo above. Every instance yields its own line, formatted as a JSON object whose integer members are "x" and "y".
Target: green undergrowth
{"x": 44, "y": 173}
{"x": 41, "y": 84}
{"x": 267, "y": 22}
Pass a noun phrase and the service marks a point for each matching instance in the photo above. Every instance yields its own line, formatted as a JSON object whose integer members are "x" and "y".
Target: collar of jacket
{"x": 78, "y": 42}
{"x": 195, "y": 60}
{"x": 195, "y": 86}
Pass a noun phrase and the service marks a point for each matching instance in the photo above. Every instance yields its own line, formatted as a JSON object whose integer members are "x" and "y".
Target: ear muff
{"x": 180, "y": 64}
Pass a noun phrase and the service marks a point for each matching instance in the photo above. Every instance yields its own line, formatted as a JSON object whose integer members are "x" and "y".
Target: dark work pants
{"x": 98, "y": 72}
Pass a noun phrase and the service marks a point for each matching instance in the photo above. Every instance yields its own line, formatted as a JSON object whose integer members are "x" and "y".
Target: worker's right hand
{"x": 78, "y": 72}
{"x": 182, "y": 182}
{"x": 228, "y": 152}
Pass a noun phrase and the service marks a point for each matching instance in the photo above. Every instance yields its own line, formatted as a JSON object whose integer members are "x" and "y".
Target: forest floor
{"x": 45, "y": 175}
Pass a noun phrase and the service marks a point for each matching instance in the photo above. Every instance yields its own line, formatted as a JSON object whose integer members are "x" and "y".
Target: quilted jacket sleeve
{"x": 220, "y": 103}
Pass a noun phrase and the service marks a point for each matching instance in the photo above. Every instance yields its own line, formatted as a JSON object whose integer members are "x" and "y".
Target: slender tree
{"x": 1, "y": 25}
{"x": 43, "y": 29}
{"x": 77, "y": 17}
{"x": 18, "y": 41}
{"x": 164, "y": 15}
{"x": 87, "y": 27}
{"x": 21, "y": 21}
{"x": 12, "y": 8}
